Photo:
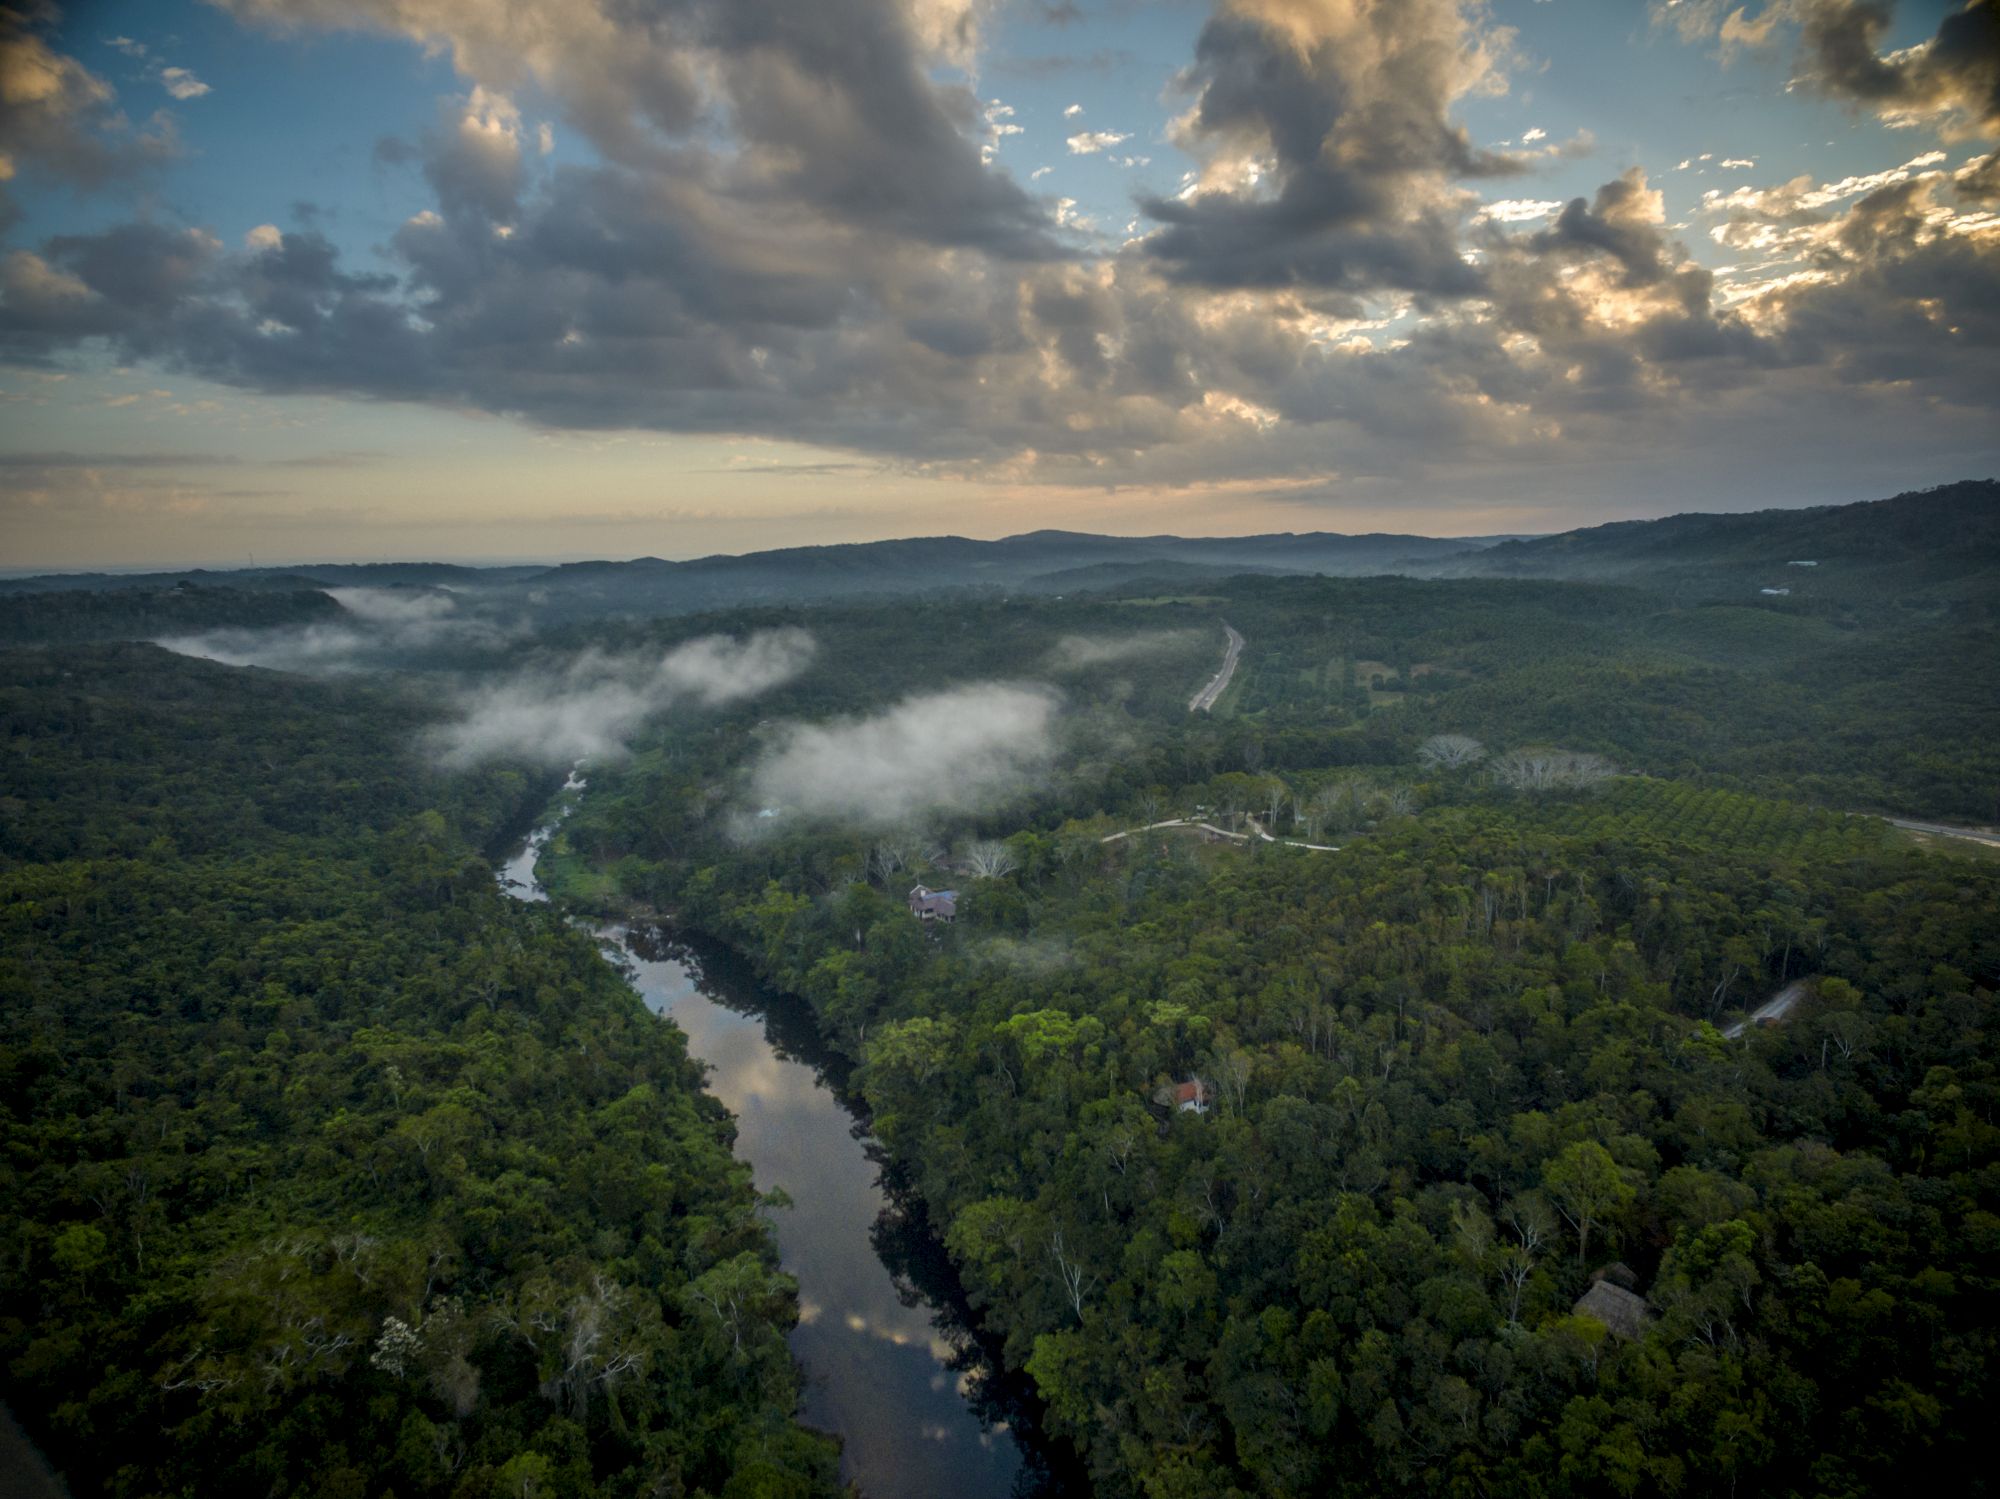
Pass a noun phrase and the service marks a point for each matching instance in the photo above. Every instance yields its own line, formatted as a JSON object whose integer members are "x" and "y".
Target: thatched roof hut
{"x": 1618, "y": 1309}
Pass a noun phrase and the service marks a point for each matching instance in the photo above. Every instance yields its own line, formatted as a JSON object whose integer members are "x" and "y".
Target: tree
{"x": 1450, "y": 752}
{"x": 989, "y": 859}
{"x": 1551, "y": 770}
{"x": 1587, "y": 1187}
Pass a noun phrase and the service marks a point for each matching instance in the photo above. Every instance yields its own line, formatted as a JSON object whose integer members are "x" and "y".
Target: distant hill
{"x": 797, "y": 574}
{"x": 315, "y": 575}
{"x": 1038, "y": 562}
{"x": 79, "y": 614}
{"x": 1935, "y": 542}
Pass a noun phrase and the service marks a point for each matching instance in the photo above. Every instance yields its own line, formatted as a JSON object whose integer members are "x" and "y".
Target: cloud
{"x": 1622, "y": 222}
{"x": 383, "y": 625}
{"x": 956, "y": 751}
{"x": 311, "y": 649}
{"x": 1071, "y": 111}
{"x": 1518, "y": 210}
{"x": 1083, "y": 652}
{"x": 60, "y": 121}
{"x": 590, "y": 708}
{"x": 839, "y": 125}
{"x": 1786, "y": 218}
{"x": 395, "y": 607}
{"x": 1327, "y": 146}
{"x": 182, "y": 84}
{"x": 786, "y": 230}
{"x": 1950, "y": 81}
{"x": 1090, "y": 142}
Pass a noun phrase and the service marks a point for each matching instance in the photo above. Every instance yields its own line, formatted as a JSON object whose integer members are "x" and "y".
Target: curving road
{"x": 1944, "y": 830}
{"x": 1204, "y": 700}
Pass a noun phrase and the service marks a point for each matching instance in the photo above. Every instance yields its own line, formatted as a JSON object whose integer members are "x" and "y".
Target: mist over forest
{"x": 1528, "y": 1018}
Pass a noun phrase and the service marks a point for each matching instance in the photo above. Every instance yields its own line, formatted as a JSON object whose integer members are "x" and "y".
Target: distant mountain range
{"x": 1941, "y": 538}
{"x": 1039, "y": 562}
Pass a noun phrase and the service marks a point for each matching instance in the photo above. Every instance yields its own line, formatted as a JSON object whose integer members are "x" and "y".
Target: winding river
{"x": 890, "y": 1367}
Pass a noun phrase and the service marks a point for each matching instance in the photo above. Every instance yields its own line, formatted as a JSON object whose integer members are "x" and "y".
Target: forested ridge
{"x": 141, "y": 613}
{"x": 329, "y": 1170}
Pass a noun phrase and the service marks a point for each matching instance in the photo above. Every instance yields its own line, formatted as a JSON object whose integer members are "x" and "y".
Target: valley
{"x": 947, "y": 1056}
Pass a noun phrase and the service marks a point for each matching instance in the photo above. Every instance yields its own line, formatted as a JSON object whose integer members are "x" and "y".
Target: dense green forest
{"x": 1458, "y": 1071}
{"x": 329, "y": 1170}
{"x": 143, "y": 613}
{"x": 350, "y": 1176}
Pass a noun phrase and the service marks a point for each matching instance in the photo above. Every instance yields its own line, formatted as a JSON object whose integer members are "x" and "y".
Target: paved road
{"x": 1219, "y": 684}
{"x": 1777, "y": 1007}
{"x": 1944, "y": 830}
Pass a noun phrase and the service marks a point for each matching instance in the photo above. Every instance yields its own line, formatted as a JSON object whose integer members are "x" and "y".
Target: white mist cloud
{"x": 1081, "y": 652}
{"x": 380, "y": 623}
{"x": 953, "y": 751}
{"x": 394, "y": 606}
{"x": 306, "y": 648}
{"x": 590, "y": 708}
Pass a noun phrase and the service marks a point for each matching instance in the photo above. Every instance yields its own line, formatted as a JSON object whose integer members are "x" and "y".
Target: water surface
{"x": 889, "y": 1367}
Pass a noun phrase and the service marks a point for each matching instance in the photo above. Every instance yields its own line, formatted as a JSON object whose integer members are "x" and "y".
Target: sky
{"x": 294, "y": 280}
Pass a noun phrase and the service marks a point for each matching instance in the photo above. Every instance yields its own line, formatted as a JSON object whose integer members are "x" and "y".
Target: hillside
{"x": 1935, "y": 542}
{"x": 1933, "y": 546}
{"x": 652, "y": 586}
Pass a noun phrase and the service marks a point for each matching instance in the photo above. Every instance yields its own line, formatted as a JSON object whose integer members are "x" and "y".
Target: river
{"x": 889, "y": 1366}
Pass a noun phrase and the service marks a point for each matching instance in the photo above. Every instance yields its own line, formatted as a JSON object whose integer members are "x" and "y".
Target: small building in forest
{"x": 1191, "y": 1097}
{"x": 927, "y": 904}
{"x": 1621, "y": 1311}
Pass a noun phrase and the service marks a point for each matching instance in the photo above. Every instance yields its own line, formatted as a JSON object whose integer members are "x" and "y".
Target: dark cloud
{"x": 1621, "y": 223}
{"x": 1957, "y": 72}
{"x": 1979, "y": 181}
{"x": 798, "y": 239}
{"x": 834, "y": 107}
{"x": 1952, "y": 79}
{"x": 1900, "y": 303}
{"x": 1329, "y": 133}
{"x": 61, "y": 122}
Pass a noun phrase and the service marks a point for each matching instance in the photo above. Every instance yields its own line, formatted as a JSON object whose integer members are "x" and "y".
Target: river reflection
{"x": 881, "y": 1333}
{"x": 879, "y": 1370}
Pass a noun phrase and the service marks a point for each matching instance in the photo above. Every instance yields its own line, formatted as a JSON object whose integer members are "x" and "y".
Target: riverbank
{"x": 895, "y": 1365}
